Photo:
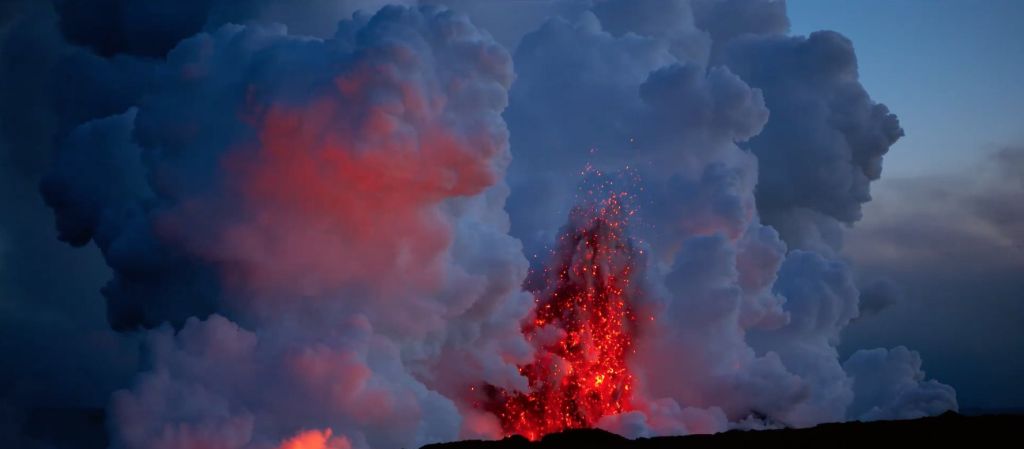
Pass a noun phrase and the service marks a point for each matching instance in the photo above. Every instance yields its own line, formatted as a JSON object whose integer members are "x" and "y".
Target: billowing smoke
{"x": 349, "y": 195}
{"x": 320, "y": 216}
{"x": 733, "y": 126}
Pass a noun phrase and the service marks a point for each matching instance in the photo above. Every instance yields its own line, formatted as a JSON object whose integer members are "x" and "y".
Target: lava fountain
{"x": 582, "y": 328}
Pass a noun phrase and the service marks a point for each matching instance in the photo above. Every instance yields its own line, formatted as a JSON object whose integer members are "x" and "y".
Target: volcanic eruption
{"x": 583, "y": 330}
{"x": 325, "y": 239}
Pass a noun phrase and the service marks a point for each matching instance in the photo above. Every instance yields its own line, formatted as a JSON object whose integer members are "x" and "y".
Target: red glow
{"x": 341, "y": 176}
{"x": 315, "y": 439}
{"x": 582, "y": 327}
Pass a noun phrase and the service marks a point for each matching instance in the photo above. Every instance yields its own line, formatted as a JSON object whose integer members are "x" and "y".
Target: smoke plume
{"x": 320, "y": 219}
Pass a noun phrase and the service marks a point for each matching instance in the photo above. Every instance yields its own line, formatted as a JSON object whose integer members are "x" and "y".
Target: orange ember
{"x": 582, "y": 328}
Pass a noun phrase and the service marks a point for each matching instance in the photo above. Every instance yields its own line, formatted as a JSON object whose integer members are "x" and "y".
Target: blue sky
{"x": 952, "y": 70}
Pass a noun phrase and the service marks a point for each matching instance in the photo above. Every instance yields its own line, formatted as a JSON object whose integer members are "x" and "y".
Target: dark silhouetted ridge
{"x": 948, "y": 430}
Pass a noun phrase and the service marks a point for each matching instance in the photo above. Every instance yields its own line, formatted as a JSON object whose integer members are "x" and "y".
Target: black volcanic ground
{"x": 941, "y": 431}
{"x": 85, "y": 428}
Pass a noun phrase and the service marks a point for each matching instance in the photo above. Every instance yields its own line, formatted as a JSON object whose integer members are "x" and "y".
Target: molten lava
{"x": 582, "y": 328}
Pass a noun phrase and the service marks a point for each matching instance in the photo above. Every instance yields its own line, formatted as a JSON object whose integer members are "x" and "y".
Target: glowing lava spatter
{"x": 582, "y": 327}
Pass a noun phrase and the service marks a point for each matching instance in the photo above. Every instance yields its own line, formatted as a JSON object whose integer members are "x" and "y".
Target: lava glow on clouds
{"x": 358, "y": 238}
{"x": 583, "y": 330}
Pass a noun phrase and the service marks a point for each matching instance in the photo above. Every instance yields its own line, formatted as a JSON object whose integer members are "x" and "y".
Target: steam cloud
{"x": 321, "y": 233}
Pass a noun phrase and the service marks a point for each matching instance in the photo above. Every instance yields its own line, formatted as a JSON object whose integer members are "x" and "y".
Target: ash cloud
{"x": 316, "y": 218}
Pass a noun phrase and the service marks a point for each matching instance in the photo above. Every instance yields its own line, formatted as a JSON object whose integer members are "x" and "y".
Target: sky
{"x": 266, "y": 224}
{"x": 951, "y": 70}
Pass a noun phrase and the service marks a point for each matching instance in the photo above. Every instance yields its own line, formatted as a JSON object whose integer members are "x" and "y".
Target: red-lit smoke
{"x": 315, "y": 439}
{"x": 583, "y": 329}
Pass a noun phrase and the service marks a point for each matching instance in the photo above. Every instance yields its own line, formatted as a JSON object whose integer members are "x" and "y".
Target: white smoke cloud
{"x": 889, "y": 384}
{"x": 314, "y": 229}
{"x": 350, "y": 196}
